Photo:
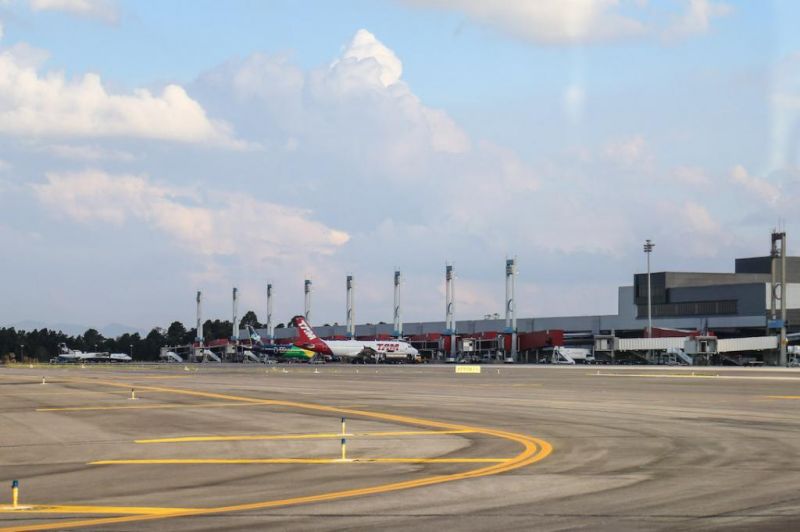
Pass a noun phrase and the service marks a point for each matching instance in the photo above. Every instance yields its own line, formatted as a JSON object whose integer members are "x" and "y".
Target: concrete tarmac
{"x": 248, "y": 447}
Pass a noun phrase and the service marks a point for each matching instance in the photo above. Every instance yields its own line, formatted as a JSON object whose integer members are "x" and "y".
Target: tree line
{"x": 42, "y": 344}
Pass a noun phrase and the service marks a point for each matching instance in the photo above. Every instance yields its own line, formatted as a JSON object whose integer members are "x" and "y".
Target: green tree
{"x": 250, "y": 319}
{"x": 153, "y": 342}
{"x": 176, "y": 333}
{"x": 93, "y": 340}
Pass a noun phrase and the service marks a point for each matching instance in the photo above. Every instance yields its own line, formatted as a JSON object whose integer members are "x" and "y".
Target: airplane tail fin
{"x": 254, "y": 336}
{"x": 307, "y": 338}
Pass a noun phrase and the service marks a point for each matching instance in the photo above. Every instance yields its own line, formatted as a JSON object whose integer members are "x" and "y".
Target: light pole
{"x": 131, "y": 347}
{"x": 21, "y": 352}
{"x": 648, "y": 248}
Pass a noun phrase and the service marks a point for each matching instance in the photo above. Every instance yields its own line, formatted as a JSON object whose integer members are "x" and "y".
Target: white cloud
{"x": 103, "y": 10}
{"x": 231, "y": 224}
{"x": 629, "y": 152}
{"x": 88, "y": 153}
{"x": 763, "y": 189}
{"x": 357, "y": 103}
{"x": 368, "y": 66}
{"x": 549, "y": 21}
{"x": 559, "y": 22}
{"x": 367, "y": 49}
{"x": 696, "y": 19}
{"x": 353, "y": 145}
{"x": 690, "y": 175}
{"x": 50, "y": 105}
{"x": 699, "y": 220}
{"x": 688, "y": 228}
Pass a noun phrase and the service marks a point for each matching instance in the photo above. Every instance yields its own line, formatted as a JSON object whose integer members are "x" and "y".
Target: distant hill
{"x": 111, "y": 330}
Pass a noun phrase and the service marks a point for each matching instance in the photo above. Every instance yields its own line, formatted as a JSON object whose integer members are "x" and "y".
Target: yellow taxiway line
{"x": 695, "y": 376}
{"x": 144, "y": 407}
{"x": 101, "y": 510}
{"x": 533, "y": 450}
{"x": 73, "y": 392}
{"x": 783, "y": 397}
{"x": 324, "y": 435}
{"x": 206, "y": 461}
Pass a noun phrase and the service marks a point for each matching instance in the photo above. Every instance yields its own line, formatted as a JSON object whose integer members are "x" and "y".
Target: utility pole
{"x": 778, "y": 292}
{"x": 648, "y": 248}
{"x": 351, "y": 326}
{"x": 450, "y": 307}
{"x": 511, "y": 304}
{"x": 307, "y": 290}
{"x": 270, "y": 325}
{"x": 398, "y": 320}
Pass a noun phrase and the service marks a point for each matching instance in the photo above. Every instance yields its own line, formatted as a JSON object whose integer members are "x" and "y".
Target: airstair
{"x": 209, "y": 355}
{"x": 249, "y": 356}
{"x": 561, "y": 357}
{"x": 171, "y": 356}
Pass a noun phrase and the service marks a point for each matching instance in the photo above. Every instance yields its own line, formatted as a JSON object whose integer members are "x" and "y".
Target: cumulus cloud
{"x": 549, "y": 21}
{"x": 79, "y": 152}
{"x": 697, "y": 17}
{"x": 369, "y": 162}
{"x": 50, "y": 105}
{"x": 629, "y": 151}
{"x": 367, "y": 49}
{"x": 559, "y": 22}
{"x": 357, "y": 107}
{"x": 693, "y": 176}
{"x": 699, "y": 220}
{"x": 693, "y": 229}
{"x": 761, "y": 188}
{"x": 103, "y": 10}
{"x": 232, "y": 224}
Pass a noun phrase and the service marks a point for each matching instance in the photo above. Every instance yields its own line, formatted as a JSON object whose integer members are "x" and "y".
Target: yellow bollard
{"x": 343, "y": 425}
{"x": 133, "y": 394}
{"x": 344, "y": 449}
{"x": 15, "y": 493}
{"x": 44, "y": 381}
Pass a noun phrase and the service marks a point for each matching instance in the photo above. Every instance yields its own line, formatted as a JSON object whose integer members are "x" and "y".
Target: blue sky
{"x": 149, "y": 149}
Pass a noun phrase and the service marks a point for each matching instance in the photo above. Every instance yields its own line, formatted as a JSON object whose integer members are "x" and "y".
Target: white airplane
{"x": 66, "y": 354}
{"x": 352, "y": 349}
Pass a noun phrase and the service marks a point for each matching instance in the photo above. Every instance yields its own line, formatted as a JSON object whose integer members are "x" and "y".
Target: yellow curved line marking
{"x": 232, "y": 461}
{"x": 783, "y": 396}
{"x": 61, "y": 509}
{"x": 143, "y": 407}
{"x": 534, "y": 450}
{"x": 323, "y": 435}
{"x": 697, "y": 376}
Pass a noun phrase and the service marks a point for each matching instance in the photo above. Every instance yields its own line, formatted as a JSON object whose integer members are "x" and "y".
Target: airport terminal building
{"x": 722, "y": 305}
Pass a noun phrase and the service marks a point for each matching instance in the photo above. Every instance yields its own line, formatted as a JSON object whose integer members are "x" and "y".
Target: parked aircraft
{"x": 352, "y": 349}
{"x": 280, "y": 351}
{"x": 66, "y": 354}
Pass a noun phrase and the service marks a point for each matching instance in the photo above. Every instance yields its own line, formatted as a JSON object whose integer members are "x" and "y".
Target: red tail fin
{"x": 306, "y": 336}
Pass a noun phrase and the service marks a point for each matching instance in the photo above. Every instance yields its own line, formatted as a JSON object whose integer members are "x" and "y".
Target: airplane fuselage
{"x": 354, "y": 348}
{"x": 350, "y": 349}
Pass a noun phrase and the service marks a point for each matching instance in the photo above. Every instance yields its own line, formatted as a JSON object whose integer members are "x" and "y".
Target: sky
{"x": 150, "y": 149}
